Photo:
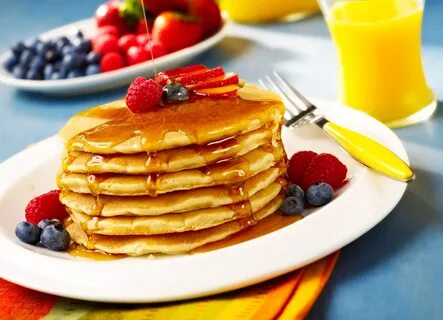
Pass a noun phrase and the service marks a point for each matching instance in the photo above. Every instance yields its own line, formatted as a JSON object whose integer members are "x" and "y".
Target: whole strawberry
{"x": 208, "y": 13}
{"x": 143, "y": 95}
{"x": 46, "y": 206}
{"x": 176, "y": 31}
{"x": 324, "y": 168}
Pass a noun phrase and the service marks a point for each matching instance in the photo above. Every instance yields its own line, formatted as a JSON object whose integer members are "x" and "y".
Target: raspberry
{"x": 143, "y": 95}
{"x": 46, "y": 206}
{"x": 136, "y": 55}
{"x": 298, "y": 164}
{"x": 158, "y": 49}
{"x": 324, "y": 168}
{"x": 112, "y": 61}
{"x": 106, "y": 43}
{"x": 127, "y": 41}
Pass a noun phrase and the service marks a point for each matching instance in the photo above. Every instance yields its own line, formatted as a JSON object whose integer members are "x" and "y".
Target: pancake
{"x": 199, "y": 122}
{"x": 171, "y": 160}
{"x": 234, "y": 170}
{"x": 177, "y": 222}
{"x": 175, "y": 243}
{"x": 179, "y": 201}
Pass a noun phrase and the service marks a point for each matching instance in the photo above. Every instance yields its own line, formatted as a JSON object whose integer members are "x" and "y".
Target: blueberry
{"x": 48, "y": 70}
{"x": 62, "y": 41}
{"x": 93, "y": 58}
{"x": 19, "y": 72}
{"x": 34, "y": 74}
{"x": 74, "y": 61}
{"x": 37, "y": 63}
{"x": 32, "y": 44}
{"x": 82, "y": 46}
{"x": 55, "y": 237}
{"x": 11, "y": 62}
{"x": 175, "y": 92}
{"x": 67, "y": 49}
{"x": 319, "y": 194}
{"x": 57, "y": 76}
{"x": 42, "y": 48}
{"x": 292, "y": 205}
{"x": 25, "y": 58}
{"x": 75, "y": 74}
{"x": 92, "y": 69}
{"x": 294, "y": 190}
{"x": 79, "y": 34}
{"x": 49, "y": 222}
{"x": 18, "y": 48}
{"x": 51, "y": 55}
{"x": 28, "y": 232}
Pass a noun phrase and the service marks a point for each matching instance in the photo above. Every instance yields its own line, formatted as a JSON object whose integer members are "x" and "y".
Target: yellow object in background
{"x": 256, "y": 11}
{"x": 378, "y": 42}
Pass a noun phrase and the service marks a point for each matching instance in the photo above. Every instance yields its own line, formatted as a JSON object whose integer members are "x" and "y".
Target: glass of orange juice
{"x": 379, "y": 49}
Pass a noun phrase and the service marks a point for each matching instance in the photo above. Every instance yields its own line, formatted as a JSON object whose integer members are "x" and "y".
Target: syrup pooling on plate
{"x": 163, "y": 129}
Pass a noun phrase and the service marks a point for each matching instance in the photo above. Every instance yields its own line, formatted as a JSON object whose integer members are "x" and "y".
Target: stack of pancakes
{"x": 171, "y": 180}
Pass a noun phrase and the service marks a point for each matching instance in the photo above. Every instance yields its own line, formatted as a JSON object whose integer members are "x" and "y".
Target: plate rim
{"x": 225, "y": 281}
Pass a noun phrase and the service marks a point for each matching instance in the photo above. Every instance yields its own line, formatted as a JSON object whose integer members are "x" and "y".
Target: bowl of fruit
{"x": 123, "y": 40}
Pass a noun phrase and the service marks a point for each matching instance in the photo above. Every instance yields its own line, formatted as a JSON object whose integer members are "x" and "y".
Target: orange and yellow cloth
{"x": 287, "y": 297}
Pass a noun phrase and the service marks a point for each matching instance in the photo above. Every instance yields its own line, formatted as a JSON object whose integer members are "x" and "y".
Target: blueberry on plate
{"x": 93, "y": 58}
{"x": 25, "y": 58}
{"x": 79, "y": 34}
{"x": 82, "y": 46}
{"x": 19, "y": 72}
{"x": 37, "y": 63}
{"x": 11, "y": 62}
{"x": 319, "y": 194}
{"x": 18, "y": 48}
{"x": 294, "y": 190}
{"x": 34, "y": 74}
{"x": 51, "y": 55}
{"x": 28, "y": 232}
{"x": 67, "y": 49}
{"x": 48, "y": 70}
{"x": 41, "y": 48}
{"x": 49, "y": 222}
{"x": 292, "y": 205}
{"x": 56, "y": 75}
{"x": 55, "y": 237}
{"x": 75, "y": 74}
{"x": 92, "y": 69}
{"x": 175, "y": 92}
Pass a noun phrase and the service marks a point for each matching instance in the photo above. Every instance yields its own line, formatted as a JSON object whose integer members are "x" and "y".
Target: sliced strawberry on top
{"x": 196, "y": 77}
{"x": 173, "y": 73}
{"x": 229, "y": 91}
{"x": 220, "y": 81}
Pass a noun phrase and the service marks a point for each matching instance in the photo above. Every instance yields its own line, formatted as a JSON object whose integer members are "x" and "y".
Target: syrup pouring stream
{"x": 149, "y": 37}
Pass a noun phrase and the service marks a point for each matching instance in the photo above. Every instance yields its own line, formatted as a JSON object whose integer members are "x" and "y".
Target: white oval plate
{"x": 106, "y": 80}
{"x": 359, "y": 206}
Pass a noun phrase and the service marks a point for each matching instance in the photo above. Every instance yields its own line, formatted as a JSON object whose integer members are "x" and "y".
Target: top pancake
{"x": 113, "y": 128}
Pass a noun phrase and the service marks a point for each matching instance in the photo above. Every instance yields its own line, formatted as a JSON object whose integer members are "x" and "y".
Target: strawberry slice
{"x": 178, "y": 72}
{"x": 221, "y": 81}
{"x": 229, "y": 91}
{"x": 200, "y": 76}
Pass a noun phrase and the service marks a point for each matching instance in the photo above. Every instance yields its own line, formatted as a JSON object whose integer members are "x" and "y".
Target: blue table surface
{"x": 395, "y": 271}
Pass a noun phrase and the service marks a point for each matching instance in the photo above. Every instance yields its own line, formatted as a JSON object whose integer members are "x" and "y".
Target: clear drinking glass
{"x": 379, "y": 49}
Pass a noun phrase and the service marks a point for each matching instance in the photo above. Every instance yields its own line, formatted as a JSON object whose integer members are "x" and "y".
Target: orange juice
{"x": 378, "y": 44}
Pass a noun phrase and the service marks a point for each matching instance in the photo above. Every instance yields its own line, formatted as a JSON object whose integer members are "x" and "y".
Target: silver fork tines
{"x": 299, "y": 111}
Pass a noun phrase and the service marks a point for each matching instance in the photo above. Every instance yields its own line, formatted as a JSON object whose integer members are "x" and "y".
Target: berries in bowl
{"x": 115, "y": 38}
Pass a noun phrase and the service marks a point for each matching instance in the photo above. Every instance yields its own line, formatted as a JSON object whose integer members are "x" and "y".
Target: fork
{"x": 367, "y": 151}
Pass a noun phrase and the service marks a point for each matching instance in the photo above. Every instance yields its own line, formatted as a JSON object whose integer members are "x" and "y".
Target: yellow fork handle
{"x": 370, "y": 153}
